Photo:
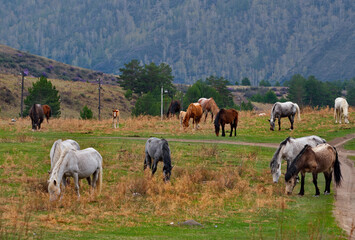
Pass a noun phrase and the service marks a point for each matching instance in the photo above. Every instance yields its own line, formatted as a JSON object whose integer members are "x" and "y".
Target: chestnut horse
{"x": 194, "y": 111}
{"x": 209, "y": 105}
{"x": 47, "y": 111}
{"x": 116, "y": 118}
{"x": 226, "y": 116}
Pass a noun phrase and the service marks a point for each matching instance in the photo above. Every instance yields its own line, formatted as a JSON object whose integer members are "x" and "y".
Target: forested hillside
{"x": 246, "y": 38}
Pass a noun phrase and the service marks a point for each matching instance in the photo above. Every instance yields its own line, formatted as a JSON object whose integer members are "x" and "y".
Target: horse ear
{"x": 55, "y": 183}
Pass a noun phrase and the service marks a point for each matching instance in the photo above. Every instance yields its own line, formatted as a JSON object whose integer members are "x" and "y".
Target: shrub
{"x": 86, "y": 113}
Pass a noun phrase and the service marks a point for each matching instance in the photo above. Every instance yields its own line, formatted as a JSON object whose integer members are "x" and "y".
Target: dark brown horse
{"x": 226, "y": 116}
{"x": 321, "y": 158}
{"x": 36, "y": 115}
{"x": 47, "y": 111}
{"x": 194, "y": 111}
{"x": 174, "y": 108}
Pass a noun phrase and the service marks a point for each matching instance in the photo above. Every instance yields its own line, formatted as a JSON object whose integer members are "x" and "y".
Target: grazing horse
{"x": 181, "y": 116}
{"x": 288, "y": 150}
{"x": 36, "y": 115}
{"x": 174, "y": 108}
{"x": 226, "y": 116}
{"x": 194, "y": 111}
{"x": 280, "y": 110}
{"x": 322, "y": 158}
{"x": 209, "y": 105}
{"x": 47, "y": 111}
{"x": 116, "y": 118}
{"x": 341, "y": 107}
{"x": 54, "y": 154}
{"x": 159, "y": 150}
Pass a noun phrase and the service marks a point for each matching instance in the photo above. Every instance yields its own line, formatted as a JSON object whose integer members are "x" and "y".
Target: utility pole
{"x": 23, "y": 78}
{"x": 99, "y": 80}
{"x": 161, "y": 104}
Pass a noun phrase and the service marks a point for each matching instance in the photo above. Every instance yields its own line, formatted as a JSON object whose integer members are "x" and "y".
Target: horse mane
{"x": 272, "y": 111}
{"x": 292, "y": 170}
{"x": 217, "y": 119}
{"x": 283, "y": 143}
{"x": 188, "y": 113}
{"x": 62, "y": 161}
{"x": 166, "y": 155}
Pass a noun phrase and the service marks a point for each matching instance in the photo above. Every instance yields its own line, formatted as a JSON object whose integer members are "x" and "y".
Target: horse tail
{"x": 166, "y": 154}
{"x": 100, "y": 179}
{"x": 337, "y": 172}
{"x": 298, "y": 112}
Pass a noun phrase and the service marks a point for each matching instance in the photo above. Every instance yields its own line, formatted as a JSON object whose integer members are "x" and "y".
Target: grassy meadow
{"x": 227, "y": 188}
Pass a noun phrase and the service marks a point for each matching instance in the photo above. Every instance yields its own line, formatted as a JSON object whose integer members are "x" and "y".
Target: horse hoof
{"x": 326, "y": 193}
{"x": 316, "y": 195}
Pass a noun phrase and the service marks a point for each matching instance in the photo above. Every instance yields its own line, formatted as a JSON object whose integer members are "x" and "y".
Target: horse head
{"x": 167, "y": 173}
{"x": 290, "y": 184}
{"x": 53, "y": 189}
{"x": 272, "y": 125}
{"x": 276, "y": 172}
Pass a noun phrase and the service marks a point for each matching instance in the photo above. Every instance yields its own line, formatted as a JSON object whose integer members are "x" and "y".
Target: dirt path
{"x": 344, "y": 211}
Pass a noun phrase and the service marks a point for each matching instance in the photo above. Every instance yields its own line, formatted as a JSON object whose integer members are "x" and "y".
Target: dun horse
{"x": 78, "y": 164}
{"x": 36, "y": 115}
{"x": 194, "y": 111}
{"x": 158, "y": 150}
{"x": 209, "y": 105}
{"x": 47, "y": 111}
{"x": 322, "y": 158}
{"x": 341, "y": 107}
{"x": 223, "y": 117}
{"x": 174, "y": 108}
{"x": 288, "y": 150}
{"x": 281, "y": 110}
{"x": 181, "y": 116}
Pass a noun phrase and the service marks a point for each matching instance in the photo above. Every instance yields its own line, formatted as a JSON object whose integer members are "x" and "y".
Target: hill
{"x": 13, "y": 61}
{"x": 74, "y": 96}
{"x": 234, "y": 39}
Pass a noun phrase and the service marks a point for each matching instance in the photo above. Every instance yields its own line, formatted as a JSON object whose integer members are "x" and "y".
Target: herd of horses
{"x": 305, "y": 154}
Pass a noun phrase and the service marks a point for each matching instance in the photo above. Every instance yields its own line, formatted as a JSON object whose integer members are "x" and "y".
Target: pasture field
{"x": 227, "y": 188}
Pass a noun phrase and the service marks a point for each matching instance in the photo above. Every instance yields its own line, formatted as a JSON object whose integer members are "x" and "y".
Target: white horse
{"x": 78, "y": 164}
{"x": 54, "y": 154}
{"x": 286, "y": 109}
{"x": 288, "y": 150}
{"x": 341, "y": 110}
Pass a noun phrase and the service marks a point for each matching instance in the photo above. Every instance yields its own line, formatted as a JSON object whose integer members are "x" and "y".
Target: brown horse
{"x": 36, "y": 115}
{"x": 226, "y": 116}
{"x": 47, "y": 111}
{"x": 194, "y": 111}
{"x": 209, "y": 105}
{"x": 174, "y": 108}
{"x": 321, "y": 158}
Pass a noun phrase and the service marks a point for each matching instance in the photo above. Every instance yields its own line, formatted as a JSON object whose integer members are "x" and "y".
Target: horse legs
{"x": 206, "y": 113}
{"x": 95, "y": 176}
{"x": 291, "y": 118}
{"x": 76, "y": 182}
{"x": 147, "y": 161}
{"x": 231, "y": 130}
{"x": 155, "y": 164}
{"x": 223, "y": 133}
{"x": 279, "y": 123}
{"x": 89, "y": 180}
{"x": 301, "y": 193}
{"x": 328, "y": 180}
{"x": 315, "y": 183}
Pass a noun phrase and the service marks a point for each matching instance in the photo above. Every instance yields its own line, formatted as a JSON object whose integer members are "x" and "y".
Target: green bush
{"x": 86, "y": 113}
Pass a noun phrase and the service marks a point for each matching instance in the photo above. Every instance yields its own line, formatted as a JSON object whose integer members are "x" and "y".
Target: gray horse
{"x": 288, "y": 150}
{"x": 280, "y": 110}
{"x": 159, "y": 150}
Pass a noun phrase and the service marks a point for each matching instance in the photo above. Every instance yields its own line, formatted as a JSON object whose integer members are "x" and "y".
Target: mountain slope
{"x": 235, "y": 39}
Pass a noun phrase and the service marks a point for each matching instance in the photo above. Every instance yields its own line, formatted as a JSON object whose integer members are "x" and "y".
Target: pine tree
{"x": 43, "y": 92}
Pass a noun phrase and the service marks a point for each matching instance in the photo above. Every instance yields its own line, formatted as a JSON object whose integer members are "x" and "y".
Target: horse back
{"x": 325, "y": 157}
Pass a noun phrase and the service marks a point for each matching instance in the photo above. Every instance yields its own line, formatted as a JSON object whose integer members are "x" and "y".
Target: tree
{"x": 131, "y": 75}
{"x": 86, "y": 113}
{"x": 296, "y": 91}
{"x": 350, "y": 88}
{"x": 246, "y": 82}
{"x": 43, "y": 92}
{"x": 148, "y": 104}
{"x": 265, "y": 83}
{"x": 220, "y": 84}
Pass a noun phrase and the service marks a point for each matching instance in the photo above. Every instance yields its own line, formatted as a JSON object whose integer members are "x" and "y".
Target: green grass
{"x": 350, "y": 145}
{"x": 255, "y": 209}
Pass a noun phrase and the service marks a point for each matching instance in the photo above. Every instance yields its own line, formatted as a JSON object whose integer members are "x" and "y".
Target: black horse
{"x": 36, "y": 115}
{"x": 174, "y": 108}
